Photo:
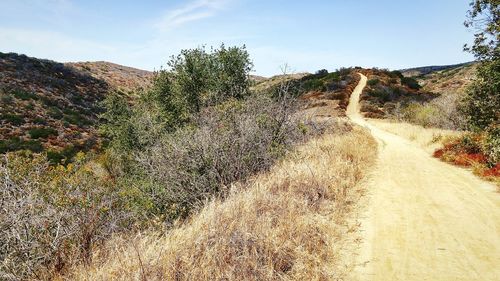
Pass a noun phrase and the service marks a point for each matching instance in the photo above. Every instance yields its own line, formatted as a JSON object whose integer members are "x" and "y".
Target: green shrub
{"x": 75, "y": 118}
{"x": 321, "y": 73}
{"x": 14, "y": 119}
{"x": 381, "y": 94}
{"x": 228, "y": 143}
{"x": 43, "y": 133}
{"x": 313, "y": 85}
{"x": 396, "y": 74}
{"x": 411, "y": 83}
{"x": 373, "y": 82}
{"x": 482, "y": 100}
{"x": 63, "y": 156}
{"x": 24, "y": 95}
{"x": 491, "y": 144}
{"x": 17, "y": 143}
{"x": 55, "y": 112}
{"x": 40, "y": 121}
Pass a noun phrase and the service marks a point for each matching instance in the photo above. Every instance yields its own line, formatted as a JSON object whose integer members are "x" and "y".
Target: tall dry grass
{"x": 288, "y": 224}
{"x": 428, "y": 139}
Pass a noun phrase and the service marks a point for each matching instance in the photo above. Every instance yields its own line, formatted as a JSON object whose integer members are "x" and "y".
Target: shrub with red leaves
{"x": 492, "y": 172}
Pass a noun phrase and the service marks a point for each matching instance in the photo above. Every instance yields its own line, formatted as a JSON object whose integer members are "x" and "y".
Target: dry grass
{"x": 288, "y": 224}
{"x": 429, "y": 139}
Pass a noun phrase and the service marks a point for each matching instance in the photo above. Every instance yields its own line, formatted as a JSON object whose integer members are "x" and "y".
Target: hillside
{"x": 321, "y": 95}
{"x": 55, "y": 106}
{"x": 425, "y": 70}
{"x": 387, "y": 90}
{"x": 123, "y": 78}
{"x": 451, "y": 80}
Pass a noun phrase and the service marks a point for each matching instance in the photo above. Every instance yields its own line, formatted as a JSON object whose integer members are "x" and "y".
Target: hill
{"x": 55, "y": 106}
{"x": 424, "y": 70}
{"x": 450, "y": 80}
{"x": 387, "y": 90}
{"x": 123, "y": 78}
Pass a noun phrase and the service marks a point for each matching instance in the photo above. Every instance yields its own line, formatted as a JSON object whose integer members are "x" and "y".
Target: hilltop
{"x": 55, "y": 106}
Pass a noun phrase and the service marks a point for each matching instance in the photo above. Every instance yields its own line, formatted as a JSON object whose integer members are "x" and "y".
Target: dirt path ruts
{"x": 425, "y": 220}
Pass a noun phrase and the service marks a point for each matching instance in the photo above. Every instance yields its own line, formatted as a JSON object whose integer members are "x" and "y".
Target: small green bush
{"x": 63, "y": 156}
{"x": 411, "y": 83}
{"x": 373, "y": 82}
{"x": 491, "y": 144}
{"x": 13, "y": 119}
{"x": 43, "y": 133}
{"x": 17, "y": 143}
{"x": 381, "y": 94}
{"x": 75, "y": 118}
{"x": 24, "y": 95}
{"x": 55, "y": 112}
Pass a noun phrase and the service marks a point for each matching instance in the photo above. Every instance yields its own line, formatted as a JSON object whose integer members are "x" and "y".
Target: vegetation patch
{"x": 42, "y": 132}
{"x": 17, "y": 143}
{"x": 14, "y": 119}
{"x": 24, "y": 95}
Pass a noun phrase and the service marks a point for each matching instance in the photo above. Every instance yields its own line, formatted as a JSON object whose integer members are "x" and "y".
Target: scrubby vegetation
{"x": 288, "y": 224}
{"x": 197, "y": 134}
{"x": 388, "y": 92}
{"x": 481, "y": 102}
{"x": 61, "y": 97}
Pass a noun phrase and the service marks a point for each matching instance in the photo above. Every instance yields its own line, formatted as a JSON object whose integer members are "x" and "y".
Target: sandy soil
{"x": 425, "y": 220}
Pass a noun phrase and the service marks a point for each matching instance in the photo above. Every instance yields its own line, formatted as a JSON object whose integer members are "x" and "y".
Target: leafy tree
{"x": 195, "y": 79}
{"x": 482, "y": 100}
{"x": 484, "y": 18}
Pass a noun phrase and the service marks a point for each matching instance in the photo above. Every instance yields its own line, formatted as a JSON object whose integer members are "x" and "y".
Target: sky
{"x": 305, "y": 35}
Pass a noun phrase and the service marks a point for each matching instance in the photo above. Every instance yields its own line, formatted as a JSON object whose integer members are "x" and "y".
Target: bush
{"x": 482, "y": 100}
{"x": 14, "y": 119}
{"x": 491, "y": 145}
{"x": 75, "y": 118}
{"x": 442, "y": 112}
{"x": 24, "y": 95}
{"x": 373, "y": 82}
{"x": 43, "y": 133}
{"x": 17, "y": 143}
{"x": 52, "y": 217}
{"x": 55, "y": 112}
{"x": 228, "y": 143}
{"x": 411, "y": 83}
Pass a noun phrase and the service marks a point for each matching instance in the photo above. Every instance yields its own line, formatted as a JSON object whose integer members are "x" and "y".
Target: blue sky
{"x": 306, "y": 35}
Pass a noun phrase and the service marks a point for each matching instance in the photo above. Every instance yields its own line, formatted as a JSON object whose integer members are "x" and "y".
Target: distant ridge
{"x": 424, "y": 70}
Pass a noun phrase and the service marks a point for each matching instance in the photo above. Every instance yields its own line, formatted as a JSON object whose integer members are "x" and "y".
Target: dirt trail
{"x": 426, "y": 220}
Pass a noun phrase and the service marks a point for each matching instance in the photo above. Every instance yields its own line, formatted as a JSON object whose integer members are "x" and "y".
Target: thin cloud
{"x": 190, "y": 12}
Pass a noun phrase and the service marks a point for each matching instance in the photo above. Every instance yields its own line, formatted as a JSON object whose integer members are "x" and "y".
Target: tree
{"x": 482, "y": 100}
{"x": 484, "y": 18}
{"x": 196, "y": 78}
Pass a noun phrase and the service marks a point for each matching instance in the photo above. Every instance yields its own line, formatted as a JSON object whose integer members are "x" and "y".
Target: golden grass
{"x": 429, "y": 139}
{"x": 288, "y": 224}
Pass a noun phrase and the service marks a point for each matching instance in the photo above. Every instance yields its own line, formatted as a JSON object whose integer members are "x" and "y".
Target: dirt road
{"x": 425, "y": 220}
